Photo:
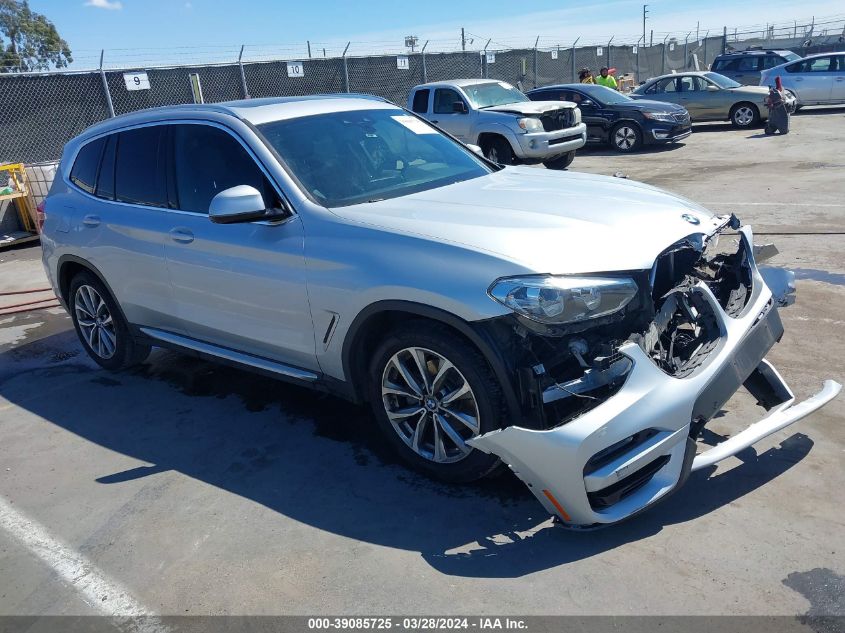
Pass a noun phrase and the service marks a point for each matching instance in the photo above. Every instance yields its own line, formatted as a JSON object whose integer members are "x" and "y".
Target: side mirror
{"x": 586, "y": 103}
{"x": 476, "y": 149}
{"x": 459, "y": 107}
{"x": 712, "y": 88}
{"x": 239, "y": 204}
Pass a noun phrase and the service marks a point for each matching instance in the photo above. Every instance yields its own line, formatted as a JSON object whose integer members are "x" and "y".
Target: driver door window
{"x": 455, "y": 123}
{"x": 206, "y": 161}
{"x": 443, "y": 100}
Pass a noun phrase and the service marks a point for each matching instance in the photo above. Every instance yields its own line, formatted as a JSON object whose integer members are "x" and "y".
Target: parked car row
{"x": 508, "y": 128}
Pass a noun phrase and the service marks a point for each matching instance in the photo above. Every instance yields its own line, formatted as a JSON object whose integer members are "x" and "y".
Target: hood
{"x": 546, "y": 221}
{"x": 531, "y": 107}
{"x": 751, "y": 90}
{"x": 647, "y": 105}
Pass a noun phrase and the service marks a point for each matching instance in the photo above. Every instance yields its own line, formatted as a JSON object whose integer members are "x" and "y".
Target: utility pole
{"x": 463, "y": 40}
{"x": 645, "y": 13}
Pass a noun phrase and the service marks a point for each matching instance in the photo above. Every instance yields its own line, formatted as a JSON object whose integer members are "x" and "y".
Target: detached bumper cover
{"x": 635, "y": 447}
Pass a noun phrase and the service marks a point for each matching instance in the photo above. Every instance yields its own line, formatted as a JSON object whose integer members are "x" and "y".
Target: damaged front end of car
{"x": 618, "y": 373}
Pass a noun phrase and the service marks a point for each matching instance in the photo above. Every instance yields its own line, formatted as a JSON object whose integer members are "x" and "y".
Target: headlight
{"x": 577, "y": 116}
{"x": 557, "y": 299}
{"x": 659, "y": 116}
{"x": 530, "y": 124}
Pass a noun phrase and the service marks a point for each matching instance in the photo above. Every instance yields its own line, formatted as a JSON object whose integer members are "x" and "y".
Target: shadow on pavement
{"x": 320, "y": 460}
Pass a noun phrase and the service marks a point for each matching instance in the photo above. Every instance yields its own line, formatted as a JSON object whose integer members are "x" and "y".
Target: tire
{"x": 561, "y": 162}
{"x": 745, "y": 115}
{"x": 626, "y": 137}
{"x": 393, "y": 396}
{"x": 100, "y": 325}
{"x": 498, "y": 150}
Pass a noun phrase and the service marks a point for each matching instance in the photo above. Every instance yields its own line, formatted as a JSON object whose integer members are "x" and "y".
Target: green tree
{"x": 28, "y": 40}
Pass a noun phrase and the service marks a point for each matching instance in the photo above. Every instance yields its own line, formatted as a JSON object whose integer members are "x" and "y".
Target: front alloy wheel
{"x": 432, "y": 392}
{"x": 95, "y": 322}
{"x": 626, "y": 138}
{"x": 430, "y": 404}
{"x": 745, "y": 115}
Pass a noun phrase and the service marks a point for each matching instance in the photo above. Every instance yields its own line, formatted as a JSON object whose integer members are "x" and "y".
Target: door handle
{"x": 840, "y": 79}
{"x": 91, "y": 220}
{"x": 181, "y": 235}
{"x": 799, "y": 79}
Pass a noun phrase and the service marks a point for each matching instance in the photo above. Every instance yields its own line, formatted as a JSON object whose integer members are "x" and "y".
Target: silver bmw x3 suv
{"x": 579, "y": 329}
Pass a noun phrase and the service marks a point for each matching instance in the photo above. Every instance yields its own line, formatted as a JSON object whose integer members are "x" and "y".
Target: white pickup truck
{"x": 506, "y": 124}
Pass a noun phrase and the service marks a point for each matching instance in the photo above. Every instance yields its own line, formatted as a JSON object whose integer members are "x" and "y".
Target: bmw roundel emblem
{"x": 691, "y": 218}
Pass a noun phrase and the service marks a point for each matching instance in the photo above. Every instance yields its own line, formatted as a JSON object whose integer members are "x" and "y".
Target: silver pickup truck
{"x": 501, "y": 120}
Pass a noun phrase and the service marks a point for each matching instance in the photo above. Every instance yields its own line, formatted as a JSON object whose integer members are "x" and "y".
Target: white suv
{"x": 579, "y": 329}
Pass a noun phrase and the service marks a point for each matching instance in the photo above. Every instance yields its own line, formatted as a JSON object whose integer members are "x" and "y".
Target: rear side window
{"x": 84, "y": 171}
{"x": 664, "y": 85}
{"x": 770, "y": 61}
{"x": 206, "y": 161}
{"x": 749, "y": 63}
{"x": 725, "y": 64}
{"x": 139, "y": 169}
{"x": 421, "y": 101}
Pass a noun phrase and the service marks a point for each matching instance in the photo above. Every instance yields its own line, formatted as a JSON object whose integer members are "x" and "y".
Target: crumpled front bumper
{"x": 635, "y": 448}
{"x": 543, "y": 145}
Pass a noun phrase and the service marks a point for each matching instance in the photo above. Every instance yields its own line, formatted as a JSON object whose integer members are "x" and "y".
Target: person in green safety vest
{"x": 606, "y": 79}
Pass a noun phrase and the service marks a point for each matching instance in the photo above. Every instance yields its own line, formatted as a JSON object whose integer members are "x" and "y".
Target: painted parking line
{"x": 97, "y": 590}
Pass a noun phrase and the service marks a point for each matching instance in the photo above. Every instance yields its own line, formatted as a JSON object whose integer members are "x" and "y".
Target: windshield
{"x": 344, "y": 158}
{"x": 604, "y": 95}
{"x": 722, "y": 81}
{"x": 493, "y": 94}
{"x": 790, "y": 56}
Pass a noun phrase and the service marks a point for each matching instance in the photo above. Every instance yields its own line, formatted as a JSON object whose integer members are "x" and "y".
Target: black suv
{"x": 616, "y": 119}
{"x": 745, "y": 66}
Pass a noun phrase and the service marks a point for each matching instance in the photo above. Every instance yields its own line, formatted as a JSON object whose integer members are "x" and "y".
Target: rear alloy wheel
{"x": 100, "y": 324}
{"x": 626, "y": 137}
{"x": 561, "y": 162}
{"x": 431, "y": 393}
{"x": 745, "y": 115}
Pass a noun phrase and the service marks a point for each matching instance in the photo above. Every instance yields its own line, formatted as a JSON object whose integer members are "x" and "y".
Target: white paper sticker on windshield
{"x": 414, "y": 124}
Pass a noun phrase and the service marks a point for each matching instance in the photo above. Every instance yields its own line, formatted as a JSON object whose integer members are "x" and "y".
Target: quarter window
{"x": 421, "y": 101}
{"x": 105, "y": 181}
{"x": 139, "y": 171}
{"x": 206, "y": 161}
{"x": 84, "y": 171}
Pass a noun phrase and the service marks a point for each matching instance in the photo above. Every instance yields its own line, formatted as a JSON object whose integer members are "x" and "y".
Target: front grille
{"x": 554, "y": 120}
{"x": 563, "y": 139}
{"x": 681, "y": 117}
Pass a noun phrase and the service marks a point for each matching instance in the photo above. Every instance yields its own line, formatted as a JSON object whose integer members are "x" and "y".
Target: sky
{"x": 138, "y": 32}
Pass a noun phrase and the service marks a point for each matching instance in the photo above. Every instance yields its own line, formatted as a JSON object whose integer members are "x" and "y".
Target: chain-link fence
{"x": 41, "y": 112}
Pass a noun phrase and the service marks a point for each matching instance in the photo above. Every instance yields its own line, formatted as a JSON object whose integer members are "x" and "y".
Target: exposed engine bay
{"x": 612, "y": 409}
{"x": 565, "y": 371}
